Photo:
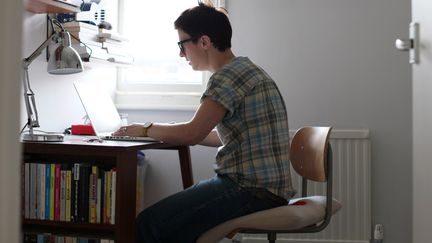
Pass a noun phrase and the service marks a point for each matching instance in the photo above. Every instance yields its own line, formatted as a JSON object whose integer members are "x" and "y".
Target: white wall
{"x": 335, "y": 64}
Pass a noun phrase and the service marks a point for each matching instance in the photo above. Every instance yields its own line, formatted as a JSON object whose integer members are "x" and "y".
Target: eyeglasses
{"x": 180, "y": 44}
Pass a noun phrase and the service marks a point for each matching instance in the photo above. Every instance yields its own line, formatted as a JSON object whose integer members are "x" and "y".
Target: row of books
{"x": 69, "y": 192}
{"x": 48, "y": 238}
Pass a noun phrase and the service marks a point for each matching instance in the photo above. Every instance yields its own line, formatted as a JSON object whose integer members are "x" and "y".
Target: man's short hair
{"x": 205, "y": 19}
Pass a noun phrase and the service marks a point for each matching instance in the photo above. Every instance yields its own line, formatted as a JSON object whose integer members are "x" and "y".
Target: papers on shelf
{"x": 101, "y": 44}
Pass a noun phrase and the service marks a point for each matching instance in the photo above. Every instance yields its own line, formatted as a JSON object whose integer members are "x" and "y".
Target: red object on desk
{"x": 82, "y": 129}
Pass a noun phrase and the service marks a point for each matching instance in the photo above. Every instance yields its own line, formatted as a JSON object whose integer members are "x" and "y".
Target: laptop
{"x": 102, "y": 113}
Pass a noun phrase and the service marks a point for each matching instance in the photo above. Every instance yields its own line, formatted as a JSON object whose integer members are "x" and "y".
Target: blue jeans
{"x": 184, "y": 216}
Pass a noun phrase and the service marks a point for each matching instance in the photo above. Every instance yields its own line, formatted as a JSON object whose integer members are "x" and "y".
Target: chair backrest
{"x": 311, "y": 158}
{"x": 308, "y": 152}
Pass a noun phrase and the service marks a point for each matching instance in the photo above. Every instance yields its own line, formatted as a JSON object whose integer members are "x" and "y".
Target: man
{"x": 243, "y": 113}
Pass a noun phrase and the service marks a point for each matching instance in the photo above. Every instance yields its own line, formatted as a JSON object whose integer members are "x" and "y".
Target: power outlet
{"x": 378, "y": 233}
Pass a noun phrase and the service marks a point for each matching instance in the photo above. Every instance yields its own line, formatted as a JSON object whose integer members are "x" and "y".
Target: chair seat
{"x": 299, "y": 213}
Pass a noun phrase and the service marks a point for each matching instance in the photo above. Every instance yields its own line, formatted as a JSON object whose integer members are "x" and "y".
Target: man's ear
{"x": 206, "y": 42}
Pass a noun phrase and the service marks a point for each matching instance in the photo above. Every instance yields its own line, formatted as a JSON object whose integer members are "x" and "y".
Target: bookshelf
{"x": 122, "y": 156}
{"x": 50, "y": 6}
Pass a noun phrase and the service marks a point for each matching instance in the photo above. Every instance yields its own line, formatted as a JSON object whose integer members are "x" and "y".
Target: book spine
{"x": 75, "y": 189}
{"x": 104, "y": 202}
{"x": 38, "y": 191}
{"x": 68, "y": 194}
{"x": 113, "y": 195}
{"x": 40, "y": 238}
{"x": 42, "y": 178}
{"x": 92, "y": 194}
{"x": 98, "y": 197}
{"x": 80, "y": 25}
{"x": 52, "y": 186}
{"x": 32, "y": 191}
{"x": 63, "y": 193}
{"x": 57, "y": 193}
{"x": 84, "y": 192}
{"x": 91, "y": 200}
{"x": 108, "y": 197}
{"x": 47, "y": 190}
{"x": 27, "y": 190}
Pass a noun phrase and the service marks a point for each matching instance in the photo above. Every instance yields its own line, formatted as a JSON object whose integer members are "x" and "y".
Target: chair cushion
{"x": 299, "y": 213}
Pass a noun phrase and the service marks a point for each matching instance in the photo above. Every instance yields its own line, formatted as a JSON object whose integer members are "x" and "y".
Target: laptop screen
{"x": 99, "y": 107}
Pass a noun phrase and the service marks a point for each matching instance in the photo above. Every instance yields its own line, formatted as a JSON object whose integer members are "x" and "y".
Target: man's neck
{"x": 219, "y": 59}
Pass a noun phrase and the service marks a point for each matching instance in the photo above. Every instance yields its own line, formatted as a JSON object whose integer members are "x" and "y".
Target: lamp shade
{"x": 64, "y": 59}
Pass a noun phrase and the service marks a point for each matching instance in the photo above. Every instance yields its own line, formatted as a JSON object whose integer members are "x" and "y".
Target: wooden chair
{"x": 311, "y": 158}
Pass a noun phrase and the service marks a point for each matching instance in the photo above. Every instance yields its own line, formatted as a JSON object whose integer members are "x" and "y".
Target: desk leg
{"x": 185, "y": 166}
{"x": 126, "y": 166}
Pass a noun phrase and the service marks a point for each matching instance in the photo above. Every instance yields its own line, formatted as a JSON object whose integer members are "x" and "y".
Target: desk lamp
{"x": 63, "y": 60}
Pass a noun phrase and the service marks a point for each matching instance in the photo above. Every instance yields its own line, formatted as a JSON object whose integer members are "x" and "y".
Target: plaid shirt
{"x": 254, "y": 131}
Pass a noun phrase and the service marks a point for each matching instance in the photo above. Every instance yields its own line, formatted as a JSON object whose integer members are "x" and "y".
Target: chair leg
{"x": 271, "y": 236}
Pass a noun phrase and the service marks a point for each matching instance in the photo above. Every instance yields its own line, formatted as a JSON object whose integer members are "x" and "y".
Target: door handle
{"x": 404, "y": 44}
{"x": 411, "y": 44}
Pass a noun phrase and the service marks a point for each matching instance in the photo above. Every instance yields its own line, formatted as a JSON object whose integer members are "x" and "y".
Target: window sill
{"x": 157, "y": 101}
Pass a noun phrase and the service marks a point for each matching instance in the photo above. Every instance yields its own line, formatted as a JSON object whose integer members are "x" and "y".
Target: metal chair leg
{"x": 271, "y": 237}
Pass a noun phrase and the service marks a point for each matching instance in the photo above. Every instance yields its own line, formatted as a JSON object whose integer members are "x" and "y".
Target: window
{"x": 159, "y": 78}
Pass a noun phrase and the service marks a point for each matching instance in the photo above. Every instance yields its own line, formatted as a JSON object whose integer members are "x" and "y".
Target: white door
{"x": 422, "y": 125}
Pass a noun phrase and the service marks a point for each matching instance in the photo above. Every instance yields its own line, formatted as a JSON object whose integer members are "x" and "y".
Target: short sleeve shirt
{"x": 254, "y": 131}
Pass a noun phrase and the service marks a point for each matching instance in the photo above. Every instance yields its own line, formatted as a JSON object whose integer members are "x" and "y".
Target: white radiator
{"x": 351, "y": 186}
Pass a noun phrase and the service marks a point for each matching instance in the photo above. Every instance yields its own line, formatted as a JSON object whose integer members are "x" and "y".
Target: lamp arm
{"x": 32, "y": 114}
{"x": 28, "y": 60}
{"x": 29, "y": 99}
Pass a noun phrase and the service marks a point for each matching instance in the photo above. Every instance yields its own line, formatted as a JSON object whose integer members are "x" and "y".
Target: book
{"x": 93, "y": 194}
{"x": 83, "y": 206}
{"x": 47, "y": 190}
{"x": 92, "y": 203}
{"x": 69, "y": 239}
{"x": 62, "y": 193}
{"x": 32, "y": 200}
{"x": 41, "y": 202}
{"x": 102, "y": 200}
{"x": 107, "y": 205}
{"x": 98, "y": 197}
{"x": 74, "y": 192}
{"x": 113, "y": 195}
{"x": 40, "y": 238}
{"x": 68, "y": 195}
{"x": 52, "y": 186}
{"x": 38, "y": 190}
{"x": 27, "y": 190}
{"x": 80, "y": 25}
{"x": 57, "y": 192}
{"x": 29, "y": 238}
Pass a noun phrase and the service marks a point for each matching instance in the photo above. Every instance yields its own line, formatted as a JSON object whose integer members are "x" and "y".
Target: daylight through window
{"x": 159, "y": 78}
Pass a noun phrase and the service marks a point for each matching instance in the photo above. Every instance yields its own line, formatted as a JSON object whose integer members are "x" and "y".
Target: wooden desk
{"x": 122, "y": 155}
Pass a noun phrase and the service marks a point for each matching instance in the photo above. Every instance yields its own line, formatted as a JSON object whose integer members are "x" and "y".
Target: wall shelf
{"x": 49, "y": 6}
